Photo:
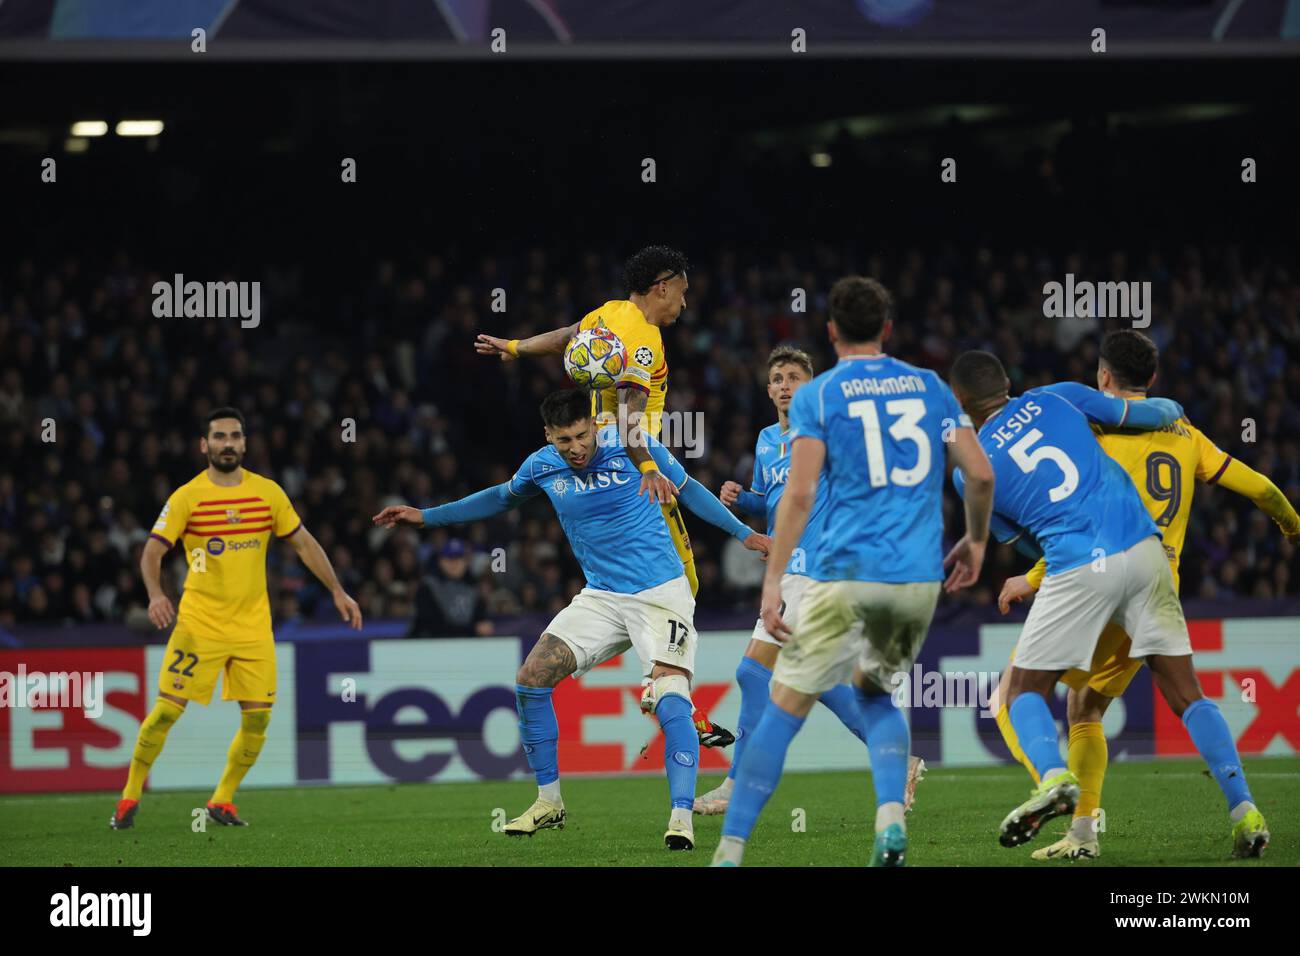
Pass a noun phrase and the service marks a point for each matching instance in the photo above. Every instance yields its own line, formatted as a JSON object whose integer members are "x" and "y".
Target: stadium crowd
{"x": 100, "y": 405}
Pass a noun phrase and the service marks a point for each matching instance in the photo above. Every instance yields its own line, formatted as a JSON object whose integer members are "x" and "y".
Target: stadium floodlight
{"x": 89, "y": 128}
{"x": 820, "y": 160}
{"x": 139, "y": 127}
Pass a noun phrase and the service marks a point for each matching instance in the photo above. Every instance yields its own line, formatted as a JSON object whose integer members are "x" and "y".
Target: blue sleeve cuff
{"x": 752, "y": 503}
{"x": 1153, "y": 413}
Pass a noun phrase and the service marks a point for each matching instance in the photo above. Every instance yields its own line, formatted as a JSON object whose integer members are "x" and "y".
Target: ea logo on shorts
{"x": 216, "y": 546}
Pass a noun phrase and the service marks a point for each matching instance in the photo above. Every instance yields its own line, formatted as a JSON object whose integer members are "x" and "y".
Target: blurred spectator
{"x": 448, "y": 603}
{"x": 431, "y": 421}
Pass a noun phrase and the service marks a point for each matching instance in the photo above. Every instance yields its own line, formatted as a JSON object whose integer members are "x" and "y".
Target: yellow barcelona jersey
{"x": 647, "y": 368}
{"x": 1165, "y": 466}
{"x": 225, "y": 532}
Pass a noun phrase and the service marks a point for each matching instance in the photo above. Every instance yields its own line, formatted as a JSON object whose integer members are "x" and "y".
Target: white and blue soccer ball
{"x": 595, "y": 358}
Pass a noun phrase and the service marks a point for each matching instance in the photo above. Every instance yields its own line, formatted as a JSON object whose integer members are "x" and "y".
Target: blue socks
{"x": 1209, "y": 731}
{"x": 764, "y": 758}
{"x": 843, "y": 703}
{"x": 681, "y": 749}
{"x": 888, "y": 742}
{"x": 753, "y": 679}
{"x": 1036, "y": 730}
{"x": 539, "y": 731}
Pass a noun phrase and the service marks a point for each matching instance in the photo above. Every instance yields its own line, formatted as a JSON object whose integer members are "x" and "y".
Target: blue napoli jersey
{"x": 619, "y": 537}
{"x": 883, "y": 422}
{"x": 771, "y": 468}
{"x": 1053, "y": 480}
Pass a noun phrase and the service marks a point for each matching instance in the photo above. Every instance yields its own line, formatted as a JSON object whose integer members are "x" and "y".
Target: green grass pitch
{"x": 1158, "y": 814}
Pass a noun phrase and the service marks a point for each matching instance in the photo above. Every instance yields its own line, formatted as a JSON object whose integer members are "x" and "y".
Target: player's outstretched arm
{"x": 1145, "y": 415}
{"x": 475, "y": 507}
{"x": 976, "y": 488}
{"x": 701, "y": 502}
{"x": 507, "y": 350}
{"x": 161, "y": 611}
{"x": 1266, "y": 496}
{"x": 318, "y": 563}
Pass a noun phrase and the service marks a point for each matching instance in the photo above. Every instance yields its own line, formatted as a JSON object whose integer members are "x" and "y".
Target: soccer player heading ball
{"x": 656, "y": 281}
{"x": 635, "y": 598}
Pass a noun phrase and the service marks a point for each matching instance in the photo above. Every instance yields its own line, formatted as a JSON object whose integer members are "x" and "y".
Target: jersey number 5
{"x": 1029, "y": 460}
{"x": 910, "y": 411}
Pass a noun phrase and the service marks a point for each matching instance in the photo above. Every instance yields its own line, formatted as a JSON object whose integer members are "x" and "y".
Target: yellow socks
{"x": 1087, "y": 760}
{"x": 149, "y": 744}
{"x": 243, "y": 752}
{"x": 1012, "y": 741}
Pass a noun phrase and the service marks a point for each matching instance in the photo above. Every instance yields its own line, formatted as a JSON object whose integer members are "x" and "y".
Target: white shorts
{"x": 658, "y": 623}
{"x": 792, "y": 589}
{"x": 1134, "y": 588}
{"x": 876, "y": 626}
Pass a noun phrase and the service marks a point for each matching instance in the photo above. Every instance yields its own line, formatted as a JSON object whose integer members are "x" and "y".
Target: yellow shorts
{"x": 193, "y": 663}
{"x": 1112, "y": 669}
{"x": 682, "y": 542}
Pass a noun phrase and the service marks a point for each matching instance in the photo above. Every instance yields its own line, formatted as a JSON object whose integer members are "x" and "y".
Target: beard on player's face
{"x": 225, "y": 459}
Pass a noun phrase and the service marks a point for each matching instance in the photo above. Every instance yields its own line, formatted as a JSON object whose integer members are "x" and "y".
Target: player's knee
{"x": 1085, "y": 706}
{"x": 256, "y": 719}
{"x": 665, "y": 685}
{"x": 533, "y": 674}
{"x": 166, "y": 716}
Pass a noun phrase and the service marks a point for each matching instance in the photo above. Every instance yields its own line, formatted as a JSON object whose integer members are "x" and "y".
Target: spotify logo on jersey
{"x": 217, "y": 546}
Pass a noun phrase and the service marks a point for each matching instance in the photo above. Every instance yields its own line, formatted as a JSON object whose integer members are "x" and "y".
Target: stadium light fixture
{"x": 820, "y": 160}
{"x": 139, "y": 127}
{"x": 89, "y": 128}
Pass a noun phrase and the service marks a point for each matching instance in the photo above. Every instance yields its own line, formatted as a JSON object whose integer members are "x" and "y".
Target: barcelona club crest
{"x": 232, "y": 515}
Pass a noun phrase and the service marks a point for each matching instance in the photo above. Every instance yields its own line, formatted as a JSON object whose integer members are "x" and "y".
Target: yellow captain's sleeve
{"x": 1036, "y": 574}
{"x": 173, "y": 518}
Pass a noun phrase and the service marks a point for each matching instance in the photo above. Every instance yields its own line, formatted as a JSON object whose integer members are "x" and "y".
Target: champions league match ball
{"x": 595, "y": 358}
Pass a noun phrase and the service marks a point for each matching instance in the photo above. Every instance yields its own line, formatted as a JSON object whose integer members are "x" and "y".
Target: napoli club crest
{"x": 559, "y": 486}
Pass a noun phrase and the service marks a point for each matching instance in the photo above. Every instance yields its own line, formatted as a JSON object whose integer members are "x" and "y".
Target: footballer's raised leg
{"x": 550, "y": 661}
